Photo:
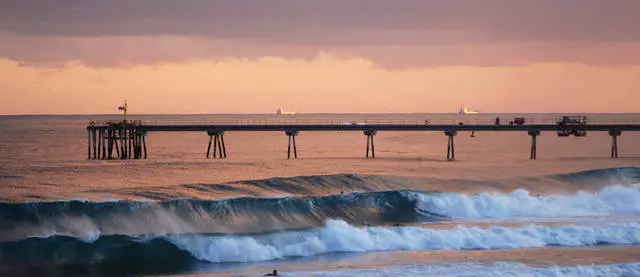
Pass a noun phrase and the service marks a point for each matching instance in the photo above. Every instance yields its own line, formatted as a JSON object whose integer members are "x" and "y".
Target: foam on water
{"x": 612, "y": 200}
{"x": 334, "y": 237}
{"x": 338, "y": 236}
{"x": 493, "y": 269}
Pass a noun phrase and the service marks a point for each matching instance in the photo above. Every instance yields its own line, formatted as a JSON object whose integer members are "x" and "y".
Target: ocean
{"x": 409, "y": 212}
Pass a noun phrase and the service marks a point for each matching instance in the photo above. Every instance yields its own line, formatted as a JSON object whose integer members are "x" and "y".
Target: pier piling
{"x": 614, "y": 133}
{"x": 219, "y": 149}
{"x": 94, "y": 143}
{"x": 534, "y": 149}
{"x": 89, "y": 143}
{"x": 370, "y": 134}
{"x": 224, "y": 147}
{"x": 99, "y": 143}
{"x": 451, "y": 153}
{"x": 292, "y": 138}
{"x": 102, "y": 141}
{"x": 209, "y": 147}
{"x": 144, "y": 144}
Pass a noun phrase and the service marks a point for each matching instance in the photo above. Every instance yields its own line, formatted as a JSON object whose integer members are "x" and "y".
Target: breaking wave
{"x": 335, "y": 236}
{"x": 612, "y": 200}
{"x": 256, "y": 215}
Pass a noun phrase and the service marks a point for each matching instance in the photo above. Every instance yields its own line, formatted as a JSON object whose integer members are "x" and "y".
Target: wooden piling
{"x": 215, "y": 145}
{"x": 130, "y": 144}
{"x": 219, "y": 146}
{"x": 295, "y": 150}
{"x": 100, "y": 143}
{"x": 209, "y": 147}
{"x": 116, "y": 145}
{"x": 368, "y": 139}
{"x": 451, "y": 152}
{"x": 89, "y": 143}
{"x": 614, "y": 133}
{"x": 534, "y": 147}
{"x": 289, "y": 149}
{"x": 144, "y": 145}
{"x": 370, "y": 133}
{"x": 104, "y": 143}
{"x": 292, "y": 138}
{"x": 110, "y": 144}
{"x": 373, "y": 148}
{"x": 224, "y": 147}
{"x": 219, "y": 149}
{"x": 121, "y": 153}
{"x": 95, "y": 142}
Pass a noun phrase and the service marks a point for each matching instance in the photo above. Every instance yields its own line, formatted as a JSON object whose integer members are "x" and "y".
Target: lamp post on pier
{"x": 124, "y": 108}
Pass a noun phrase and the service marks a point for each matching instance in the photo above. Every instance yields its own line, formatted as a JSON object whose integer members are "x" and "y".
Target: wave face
{"x": 89, "y": 220}
{"x": 247, "y": 214}
{"x": 335, "y": 236}
{"x": 489, "y": 270}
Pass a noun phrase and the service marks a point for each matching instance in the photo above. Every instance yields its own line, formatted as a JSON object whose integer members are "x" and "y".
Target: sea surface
{"x": 409, "y": 212}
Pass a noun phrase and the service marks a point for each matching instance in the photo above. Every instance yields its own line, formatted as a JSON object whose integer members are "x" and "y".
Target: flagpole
{"x": 125, "y": 111}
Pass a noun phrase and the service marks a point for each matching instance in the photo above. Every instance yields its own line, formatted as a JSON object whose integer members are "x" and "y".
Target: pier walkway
{"x": 127, "y": 139}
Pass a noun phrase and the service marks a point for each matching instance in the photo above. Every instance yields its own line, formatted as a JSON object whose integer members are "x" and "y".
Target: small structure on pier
{"x": 126, "y": 138}
{"x": 572, "y": 125}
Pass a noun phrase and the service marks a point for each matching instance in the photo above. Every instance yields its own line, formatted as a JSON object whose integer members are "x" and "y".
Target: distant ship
{"x": 281, "y": 111}
{"x": 464, "y": 110}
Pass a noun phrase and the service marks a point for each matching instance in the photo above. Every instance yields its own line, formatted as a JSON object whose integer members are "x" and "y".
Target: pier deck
{"x": 378, "y": 127}
{"x": 126, "y": 139}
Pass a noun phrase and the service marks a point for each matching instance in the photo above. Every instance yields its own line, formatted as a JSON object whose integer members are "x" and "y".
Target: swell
{"x": 256, "y": 215}
{"x": 180, "y": 251}
{"x": 332, "y": 184}
{"x": 245, "y": 214}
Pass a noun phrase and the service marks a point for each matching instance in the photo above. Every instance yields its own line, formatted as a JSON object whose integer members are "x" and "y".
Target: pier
{"x": 127, "y": 139}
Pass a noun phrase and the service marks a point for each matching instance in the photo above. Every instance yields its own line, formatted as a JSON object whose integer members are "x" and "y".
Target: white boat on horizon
{"x": 464, "y": 110}
{"x": 281, "y": 111}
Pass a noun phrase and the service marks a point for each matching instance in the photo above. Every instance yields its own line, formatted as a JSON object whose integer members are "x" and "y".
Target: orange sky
{"x": 369, "y": 66}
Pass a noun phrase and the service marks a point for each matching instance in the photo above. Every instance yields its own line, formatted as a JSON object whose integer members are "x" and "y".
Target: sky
{"x": 319, "y": 56}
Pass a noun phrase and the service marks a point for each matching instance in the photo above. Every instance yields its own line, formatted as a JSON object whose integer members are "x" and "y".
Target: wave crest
{"x": 335, "y": 236}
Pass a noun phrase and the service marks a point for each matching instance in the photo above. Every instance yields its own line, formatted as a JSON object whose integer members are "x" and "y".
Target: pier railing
{"x": 386, "y": 121}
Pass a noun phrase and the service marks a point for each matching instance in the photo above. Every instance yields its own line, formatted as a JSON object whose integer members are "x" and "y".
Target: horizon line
{"x": 298, "y": 114}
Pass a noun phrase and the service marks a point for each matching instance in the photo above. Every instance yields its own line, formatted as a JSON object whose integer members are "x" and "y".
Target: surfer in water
{"x": 274, "y": 273}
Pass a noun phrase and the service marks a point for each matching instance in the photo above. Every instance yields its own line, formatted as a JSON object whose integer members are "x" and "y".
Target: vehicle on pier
{"x": 517, "y": 121}
{"x": 572, "y": 125}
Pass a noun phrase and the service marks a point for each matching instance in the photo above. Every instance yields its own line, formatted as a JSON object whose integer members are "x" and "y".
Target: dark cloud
{"x": 327, "y": 22}
{"x": 400, "y": 33}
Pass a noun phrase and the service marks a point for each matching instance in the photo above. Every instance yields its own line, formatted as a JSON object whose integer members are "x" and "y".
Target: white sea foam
{"x": 338, "y": 236}
{"x": 612, "y": 200}
{"x": 479, "y": 270}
